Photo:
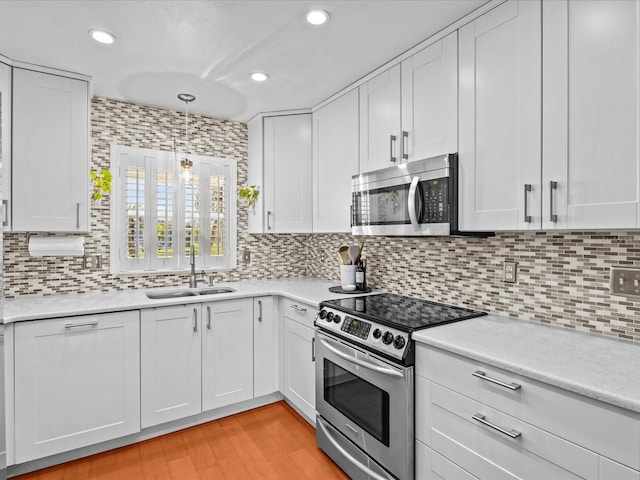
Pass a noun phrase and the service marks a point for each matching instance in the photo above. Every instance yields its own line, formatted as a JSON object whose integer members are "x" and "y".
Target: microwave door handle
{"x": 370, "y": 473}
{"x": 411, "y": 203}
{"x": 362, "y": 363}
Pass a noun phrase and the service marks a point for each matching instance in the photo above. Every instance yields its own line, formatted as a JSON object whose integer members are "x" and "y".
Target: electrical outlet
{"x": 92, "y": 262}
{"x": 624, "y": 281}
{"x": 246, "y": 256}
{"x": 510, "y": 272}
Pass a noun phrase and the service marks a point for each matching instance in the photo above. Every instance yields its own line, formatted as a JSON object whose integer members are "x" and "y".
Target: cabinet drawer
{"x": 600, "y": 427}
{"x": 432, "y": 466}
{"x": 469, "y": 443}
{"x": 300, "y": 312}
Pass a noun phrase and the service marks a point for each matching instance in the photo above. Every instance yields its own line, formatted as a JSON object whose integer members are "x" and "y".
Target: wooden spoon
{"x": 344, "y": 255}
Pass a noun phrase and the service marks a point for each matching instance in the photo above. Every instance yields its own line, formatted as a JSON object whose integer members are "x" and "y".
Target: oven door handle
{"x": 347, "y": 455}
{"x": 362, "y": 363}
{"x": 411, "y": 202}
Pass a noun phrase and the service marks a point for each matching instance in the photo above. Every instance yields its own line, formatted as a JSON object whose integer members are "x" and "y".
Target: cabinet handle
{"x": 552, "y": 187}
{"x": 392, "y": 148}
{"x": 299, "y": 309}
{"x": 404, "y": 146}
{"x": 268, "y": 220}
{"x": 260, "y": 310}
{"x": 483, "y": 376}
{"x": 195, "y": 319}
{"x": 208, "y": 318}
{"x": 85, "y": 324}
{"x": 78, "y": 215}
{"x": 5, "y": 212}
{"x": 313, "y": 349}
{"x": 527, "y": 189}
{"x": 482, "y": 419}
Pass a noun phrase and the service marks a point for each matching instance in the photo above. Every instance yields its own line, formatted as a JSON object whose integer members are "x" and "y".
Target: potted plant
{"x": 100, "y": 182}
{"x": 250, "y": 195}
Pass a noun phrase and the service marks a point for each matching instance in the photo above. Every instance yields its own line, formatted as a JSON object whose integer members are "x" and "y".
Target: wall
{"x": 144, "y": 126}
{"x": 562, "y": 279}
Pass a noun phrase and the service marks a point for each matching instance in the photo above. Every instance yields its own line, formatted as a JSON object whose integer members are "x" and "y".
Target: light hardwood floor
{"x": 271, "y": 442}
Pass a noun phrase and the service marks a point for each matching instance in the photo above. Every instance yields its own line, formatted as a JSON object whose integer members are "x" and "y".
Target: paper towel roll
{"x": 56, "y": 246}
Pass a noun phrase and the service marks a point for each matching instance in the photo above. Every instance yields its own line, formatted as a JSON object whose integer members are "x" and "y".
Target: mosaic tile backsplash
{"x": 563, "y": 278}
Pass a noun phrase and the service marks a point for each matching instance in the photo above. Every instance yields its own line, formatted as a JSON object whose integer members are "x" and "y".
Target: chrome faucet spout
{"x": 193, "y": 280}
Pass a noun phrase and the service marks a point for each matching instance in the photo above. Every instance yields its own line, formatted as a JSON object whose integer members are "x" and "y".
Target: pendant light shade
{"x": 186, "y": 165}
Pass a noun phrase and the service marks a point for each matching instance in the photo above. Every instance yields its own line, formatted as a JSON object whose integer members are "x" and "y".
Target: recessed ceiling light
{"x": 259, "y": 77}
{"x": 317, "y": 17}
{"x": 102, "y": 37}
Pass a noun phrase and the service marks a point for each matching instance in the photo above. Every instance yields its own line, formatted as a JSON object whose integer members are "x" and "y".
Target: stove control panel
{"x": 378, "y": 337}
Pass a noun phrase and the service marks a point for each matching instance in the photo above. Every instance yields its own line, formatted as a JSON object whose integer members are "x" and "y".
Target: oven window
{"x": 360, "y": 401}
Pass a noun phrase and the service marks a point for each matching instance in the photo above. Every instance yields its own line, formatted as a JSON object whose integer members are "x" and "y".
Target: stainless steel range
{"x": 364, "y": 380}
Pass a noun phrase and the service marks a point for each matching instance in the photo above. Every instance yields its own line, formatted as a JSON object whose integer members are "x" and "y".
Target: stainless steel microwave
{"x": 411, "y": 199}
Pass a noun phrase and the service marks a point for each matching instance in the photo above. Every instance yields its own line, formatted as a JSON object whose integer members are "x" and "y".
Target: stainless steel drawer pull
{"x": 85, "y": 324}
{"x": 527, "y": 190}
{"x": 509, "y": 433}
{"x": 299, "y": 309}
{"x": 5, "y": 213}
{"x": 208, "y": 318}
{"x": 511, "y": 386}
{"x": 552, "y": 187}
{"x": 268, "y": 220}
{"x": 78, "y": 215}
{"x": 195, "y": 319}
{"x": 313, "y": 349}
{"x": 405, "y": 145}
{"x": 260, "y": 310}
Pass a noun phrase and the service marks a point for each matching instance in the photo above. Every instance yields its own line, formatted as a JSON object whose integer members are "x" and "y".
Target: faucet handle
{"x": 211, "y": 279}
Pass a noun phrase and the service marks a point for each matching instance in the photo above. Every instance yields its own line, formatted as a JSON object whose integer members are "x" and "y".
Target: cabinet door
{"x": 500, "y": 115}
{"x": 50, "y": 164}
{"x": 265, "y": 347}
{"x": 5, "y": 144}
{"x": 299, "y": 367}
{"x": 287, "y": 174}
{"x": 77, "y": 382}
{"x": 227, "y": 353}
{"x": 591, "y": 110}
{"x": 170, "y": 363}
{"x": 335, "y": 161}
{"x": 380, "y": 121}
{"x": 430, "y": 101}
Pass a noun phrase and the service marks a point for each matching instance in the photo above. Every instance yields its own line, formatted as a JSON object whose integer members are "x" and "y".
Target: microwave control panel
{"x": 435, "y": 196}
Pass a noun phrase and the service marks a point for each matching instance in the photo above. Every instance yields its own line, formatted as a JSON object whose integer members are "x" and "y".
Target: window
{"x": 156, "y": 216}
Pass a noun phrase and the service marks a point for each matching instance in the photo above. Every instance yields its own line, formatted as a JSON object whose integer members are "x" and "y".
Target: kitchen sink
{"x": 187, "y": 293}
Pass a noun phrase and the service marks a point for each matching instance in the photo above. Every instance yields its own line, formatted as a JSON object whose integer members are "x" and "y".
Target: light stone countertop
{"x": 603, "y": 368}
{"x": 307, "y": 290}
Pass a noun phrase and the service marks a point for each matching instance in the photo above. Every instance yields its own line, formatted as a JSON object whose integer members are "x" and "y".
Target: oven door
{"x": 368, "y": 400}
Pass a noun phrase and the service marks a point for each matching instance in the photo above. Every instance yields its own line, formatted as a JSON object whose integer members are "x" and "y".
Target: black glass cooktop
{"x": 404, "y": 313}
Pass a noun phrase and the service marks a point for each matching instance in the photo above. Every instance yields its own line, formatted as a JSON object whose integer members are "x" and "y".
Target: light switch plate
{"x": 624, "y": 281}
{"x": 510, "y": 272}
{"x": 246, "y": 256}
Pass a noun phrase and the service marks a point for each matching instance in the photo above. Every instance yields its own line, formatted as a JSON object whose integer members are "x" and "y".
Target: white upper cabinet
{"x": 50, "y": 163}
{"x": 410, "y": 111}
{"x": 280, "y": 164}
{"x": 500, "y": 119}
{"x": 430, "y": 101}
{"x": 5, "y": 142}
{"x": 380, "y": 121}
{"x": 335, "y": 161}
{"x": 591, "y": 110}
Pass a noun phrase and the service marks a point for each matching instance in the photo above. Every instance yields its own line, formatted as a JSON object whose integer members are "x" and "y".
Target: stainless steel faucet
{"x": 193, "y": 280}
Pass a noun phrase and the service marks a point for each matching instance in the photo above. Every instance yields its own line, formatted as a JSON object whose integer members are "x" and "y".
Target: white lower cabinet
{"x": 170, "y": 358}
{"x": 299, "y": 356}
{"x": 77, "y": 382}
{"x": 265, "y": 346}
{"x": 515, "y": 429}
{"x": 227, "y": 352}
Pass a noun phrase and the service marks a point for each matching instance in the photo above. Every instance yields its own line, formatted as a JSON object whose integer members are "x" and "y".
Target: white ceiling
{"x": 209, "y": 48}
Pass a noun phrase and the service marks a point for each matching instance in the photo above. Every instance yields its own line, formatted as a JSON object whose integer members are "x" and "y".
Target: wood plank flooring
{"x": 270, "y": 442}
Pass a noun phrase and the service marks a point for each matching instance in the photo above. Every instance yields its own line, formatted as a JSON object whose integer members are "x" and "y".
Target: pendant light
{"x": 186, "y": 165}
